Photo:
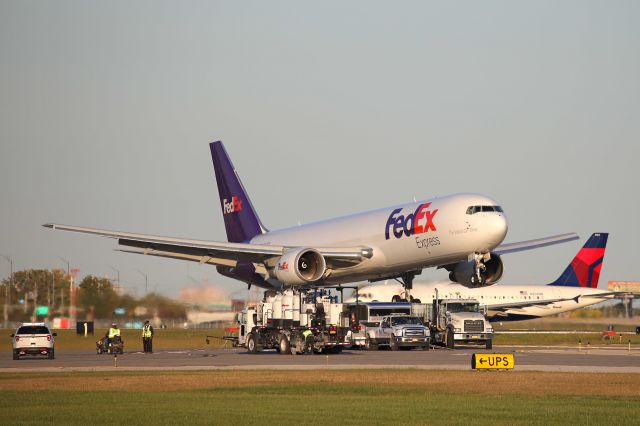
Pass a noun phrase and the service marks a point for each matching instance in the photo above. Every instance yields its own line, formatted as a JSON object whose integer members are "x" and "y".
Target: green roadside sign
{"x": 42, "y": 310}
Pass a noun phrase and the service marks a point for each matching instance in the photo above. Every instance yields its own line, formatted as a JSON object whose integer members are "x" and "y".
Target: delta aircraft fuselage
{"x": 564, "y": 298}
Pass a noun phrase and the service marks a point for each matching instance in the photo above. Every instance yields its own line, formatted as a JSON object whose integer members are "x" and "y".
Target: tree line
{"x": 95, "y": 298}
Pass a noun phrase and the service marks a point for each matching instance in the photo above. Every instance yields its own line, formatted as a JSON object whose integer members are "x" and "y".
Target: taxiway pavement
{"x": 541, "y": 358}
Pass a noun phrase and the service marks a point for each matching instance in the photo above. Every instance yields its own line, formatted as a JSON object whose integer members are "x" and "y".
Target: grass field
{"x": 195, "y": 339}
{"x": 554, "y": 323}
{"x": 369, "y": 397}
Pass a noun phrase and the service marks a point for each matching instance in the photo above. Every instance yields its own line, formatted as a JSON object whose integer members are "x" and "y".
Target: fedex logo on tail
{"x": 231, "y": 207}
{"x": 418, "y": 222}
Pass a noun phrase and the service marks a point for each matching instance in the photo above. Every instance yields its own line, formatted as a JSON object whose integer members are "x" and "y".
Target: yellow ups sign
{"x": 492, "y": 361}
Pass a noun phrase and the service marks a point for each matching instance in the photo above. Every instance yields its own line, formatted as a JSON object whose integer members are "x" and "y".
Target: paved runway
{"x": 526, "y": 359}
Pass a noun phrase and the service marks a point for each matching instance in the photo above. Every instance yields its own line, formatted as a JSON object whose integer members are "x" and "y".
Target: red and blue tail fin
{"x": 240, "y": 219}
{"x": 584, "y": 269}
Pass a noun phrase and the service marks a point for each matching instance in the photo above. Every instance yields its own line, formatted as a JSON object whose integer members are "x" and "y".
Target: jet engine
{"x": 477, "y": 272}
{"x": 300, "y": 266}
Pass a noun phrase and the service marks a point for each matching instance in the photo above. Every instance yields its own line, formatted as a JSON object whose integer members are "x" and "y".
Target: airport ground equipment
{"x": 103, "y": 346}
{"x": 279, "y": 319}
{"x": 458, "y": 321}
{"x": 366, "y": 320}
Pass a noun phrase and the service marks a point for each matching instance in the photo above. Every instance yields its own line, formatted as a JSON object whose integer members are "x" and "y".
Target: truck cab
{"x": 460, "y": 321}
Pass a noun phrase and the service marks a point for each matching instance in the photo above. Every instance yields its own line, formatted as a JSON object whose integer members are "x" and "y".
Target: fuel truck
{"x": 279, "y": 319}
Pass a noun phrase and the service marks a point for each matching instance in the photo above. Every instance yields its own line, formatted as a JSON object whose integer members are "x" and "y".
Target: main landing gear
{"x": 406, "y": 280}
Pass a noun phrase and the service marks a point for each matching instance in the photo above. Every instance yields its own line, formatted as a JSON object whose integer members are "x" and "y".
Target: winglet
{"x": 584, "y": 269}
{"x": 240, "y": 219}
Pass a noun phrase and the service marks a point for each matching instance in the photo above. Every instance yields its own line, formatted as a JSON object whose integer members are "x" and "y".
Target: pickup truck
{"x": 397, "y": 331}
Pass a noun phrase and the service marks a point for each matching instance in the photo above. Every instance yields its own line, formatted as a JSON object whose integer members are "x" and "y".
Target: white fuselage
{"x": 404, "y": 238}
{"x": 495, "y": 295}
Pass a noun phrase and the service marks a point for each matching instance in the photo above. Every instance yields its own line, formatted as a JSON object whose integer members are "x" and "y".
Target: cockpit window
{"x": 477, "y": 209}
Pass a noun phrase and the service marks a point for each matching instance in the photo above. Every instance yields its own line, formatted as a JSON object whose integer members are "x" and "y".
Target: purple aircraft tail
{"x": 240, "y": 218}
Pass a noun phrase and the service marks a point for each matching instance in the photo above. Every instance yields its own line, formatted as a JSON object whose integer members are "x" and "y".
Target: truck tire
{"x": 370, "y": 346}
{"x": 393, "y": 345}
{"x": 450, "y": 343}
{"x": 284, "y": 345}
{"x": 51, "y": 354}
{"x": 489, "y": 344}
{"x": 252, "y": 347}
{"x": 297, "y": 346}
{"x": 16, "y": 355}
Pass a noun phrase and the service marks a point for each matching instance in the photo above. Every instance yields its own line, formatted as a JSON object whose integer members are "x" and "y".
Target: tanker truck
{"x": 278, "y": 320}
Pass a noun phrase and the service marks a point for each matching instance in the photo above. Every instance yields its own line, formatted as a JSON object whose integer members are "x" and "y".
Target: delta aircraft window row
{"x": 478, "y": 209}
{"x": 433, "y": 296}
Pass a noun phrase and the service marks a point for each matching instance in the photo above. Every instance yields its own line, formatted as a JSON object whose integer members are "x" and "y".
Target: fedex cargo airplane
{"x": 461, "y": 233}
{"x": 575, "y": 288}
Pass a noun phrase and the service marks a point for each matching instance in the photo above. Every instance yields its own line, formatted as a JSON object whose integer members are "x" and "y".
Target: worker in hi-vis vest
{"x": 113, "y": 332}
{"x": 307, "y": 336}
{"x": 147, "y": 337}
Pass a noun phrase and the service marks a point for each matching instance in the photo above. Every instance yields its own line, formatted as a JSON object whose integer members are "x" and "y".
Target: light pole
{"x": 53, "y": 292}
{"x": 118, "y": 274}
{"x": 62, "y": 291}
{"x": 145, "y": 280}
{"x": 7, "y": 293}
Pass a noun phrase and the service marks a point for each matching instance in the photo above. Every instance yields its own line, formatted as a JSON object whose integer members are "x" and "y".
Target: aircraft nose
{"x": 499, "y": 227}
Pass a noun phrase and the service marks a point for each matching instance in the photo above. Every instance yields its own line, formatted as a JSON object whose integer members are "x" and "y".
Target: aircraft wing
{"x": 214, "y": 252}
{"x": 534, "y": 244}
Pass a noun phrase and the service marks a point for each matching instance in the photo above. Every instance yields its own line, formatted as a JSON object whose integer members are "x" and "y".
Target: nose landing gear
{"x": 480, "y": 274}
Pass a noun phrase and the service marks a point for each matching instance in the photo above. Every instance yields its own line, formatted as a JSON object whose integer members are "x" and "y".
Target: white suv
{"x": 33, "y": 338}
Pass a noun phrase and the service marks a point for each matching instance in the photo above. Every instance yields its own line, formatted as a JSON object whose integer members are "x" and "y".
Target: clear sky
{"x": 326, "y": 108}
